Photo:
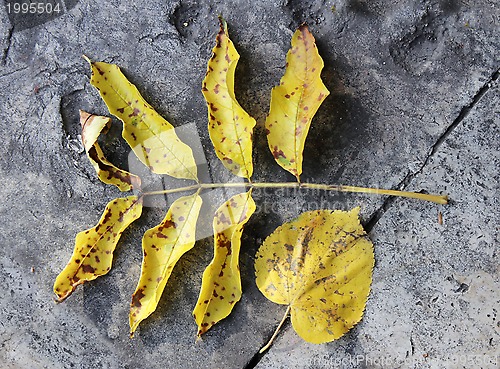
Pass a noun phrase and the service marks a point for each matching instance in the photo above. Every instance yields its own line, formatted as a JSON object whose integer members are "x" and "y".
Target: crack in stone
{"x": 7, "y": 48}
{"x": 464, "y": 112}
{"x": 13, "y": 72}
{"x": 254, "y": 361}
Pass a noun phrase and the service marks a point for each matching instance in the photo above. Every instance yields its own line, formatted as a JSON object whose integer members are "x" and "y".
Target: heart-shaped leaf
{"x": 319, "y": 264}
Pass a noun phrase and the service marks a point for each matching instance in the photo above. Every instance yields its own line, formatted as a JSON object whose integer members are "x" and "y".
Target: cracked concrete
{"x": 410, "y": 176}
{"x": 413, "y": 104}
{"x": 425, "y": 270}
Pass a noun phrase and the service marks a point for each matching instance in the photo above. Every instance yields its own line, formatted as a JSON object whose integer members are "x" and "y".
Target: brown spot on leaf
{"x": 110, "y": 171}
{"x": 87, "y": 268}
{"x": 106, "y": 218}
{"x": 278, "y": 153}
{"x": 223, "y": 241}
{"x": 134, "y": 113}
{"x": 136, "y": 298}
{"x": 221, "y": 218}
{"x": 169, "y": 224}
{"x": 101, "y": 72}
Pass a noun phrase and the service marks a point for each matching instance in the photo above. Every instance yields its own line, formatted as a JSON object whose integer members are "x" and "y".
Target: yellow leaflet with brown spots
{"x": 93, "y": 252}
{"x": 221, "y": 284}
{"x": 150, "y": 136}
{"x": 92, "y": 125}
{"x": 163, "y": 246}
{"x": 295, "y": 101}
{"x": 321, "y": 265}
{"x": 229, "y": 125}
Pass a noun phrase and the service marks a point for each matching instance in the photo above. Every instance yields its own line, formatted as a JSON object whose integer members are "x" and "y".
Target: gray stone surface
{"x": 434, "y": 300}
{"x": 413, "y": 104}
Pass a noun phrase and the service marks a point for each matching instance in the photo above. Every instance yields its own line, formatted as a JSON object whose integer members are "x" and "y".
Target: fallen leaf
{"x": 150, "y": 136}
{"x": 92, "y": 125}
{"x": 319, "y": 264}
{"x": 294, "y": 102}
{"x": 163, "y": 246}
{"x": 93, "y": 253}
{"x": 221, "y": 283}
{"x": 229, "y": 125}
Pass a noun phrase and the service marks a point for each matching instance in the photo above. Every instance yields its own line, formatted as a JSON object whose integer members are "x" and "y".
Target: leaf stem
{"x": 271, "y": 340}
{"x": 438, "y": 199}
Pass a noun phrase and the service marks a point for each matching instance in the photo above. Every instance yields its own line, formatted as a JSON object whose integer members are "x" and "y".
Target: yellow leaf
{"x": 163, "y": 246}
{"x": 150, "y": 136}
{"x": 319, "y": 264}
{"x": 221, "y": 284}
{"x": 230, "y": 127}
{"x": 295, "y": 101}
{"x": 92, "y": 125}
{"x": 93, "y": 253}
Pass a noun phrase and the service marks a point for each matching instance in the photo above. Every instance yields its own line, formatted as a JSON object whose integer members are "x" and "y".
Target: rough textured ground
{"x": 414, "y": 104}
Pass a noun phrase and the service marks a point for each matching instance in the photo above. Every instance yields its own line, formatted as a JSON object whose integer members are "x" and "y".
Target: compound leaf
{"x": 295, "y": 101}
{"x": 150, "y": 136}
{"x": 319, "y": 264}
{"x": 221, "y": 283}
{"x": 93, "y": 253}
{"x": 229, "y": 125}
{"x": 163, "y": 246}
{"x": 92, "y": 125}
